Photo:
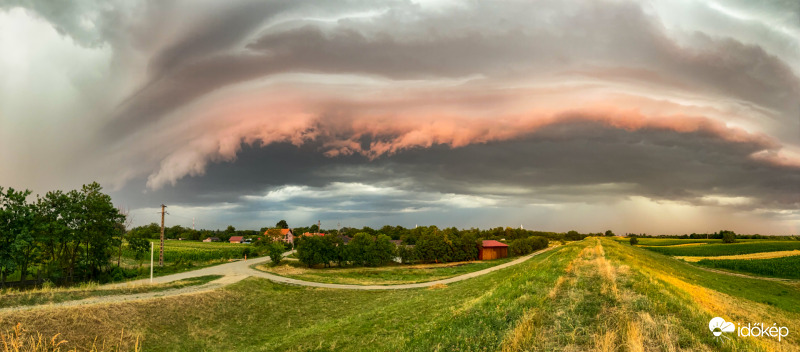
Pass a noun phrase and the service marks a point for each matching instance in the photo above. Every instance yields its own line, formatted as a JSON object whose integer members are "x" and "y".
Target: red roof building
{"x": 307, "y": 234}
{"x": 236, "y": 239}
{"x": 491, "y": 249}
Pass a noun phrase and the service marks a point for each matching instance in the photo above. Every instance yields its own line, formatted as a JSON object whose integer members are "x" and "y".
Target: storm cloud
{"x": 559, "y": 115}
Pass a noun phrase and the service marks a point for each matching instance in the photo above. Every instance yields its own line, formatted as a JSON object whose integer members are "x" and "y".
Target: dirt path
{"x": 213, "y": 285}
{"x": 236, "y": 271}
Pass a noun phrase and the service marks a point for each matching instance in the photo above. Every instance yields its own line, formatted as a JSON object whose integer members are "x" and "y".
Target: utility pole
{"x": 161, "y": 253}
{"x": 151, "y": 262}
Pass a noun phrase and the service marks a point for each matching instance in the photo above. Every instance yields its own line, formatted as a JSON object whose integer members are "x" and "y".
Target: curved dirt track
{"x": 236, "y": 271}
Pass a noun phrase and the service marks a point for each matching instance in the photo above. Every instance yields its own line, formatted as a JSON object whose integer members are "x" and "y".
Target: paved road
{"x": 239, "y": 270}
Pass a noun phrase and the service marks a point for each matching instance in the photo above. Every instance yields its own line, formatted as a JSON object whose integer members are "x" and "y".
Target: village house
{"x": 211, "y": 239}
{"x": 287, "y": 236}
{"x": 236, "y": 239}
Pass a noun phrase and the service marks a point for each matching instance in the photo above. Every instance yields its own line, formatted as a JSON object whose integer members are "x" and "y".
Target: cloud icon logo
{"x": 719, "y": 325}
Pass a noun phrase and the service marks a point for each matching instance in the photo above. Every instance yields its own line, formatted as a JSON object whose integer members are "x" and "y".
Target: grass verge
{"x": 387, "y": 275}
{"x": 13, "y": 298}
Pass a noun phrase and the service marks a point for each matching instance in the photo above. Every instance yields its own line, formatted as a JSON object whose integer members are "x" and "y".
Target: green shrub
{"x": 524, "y": 246}
{"x": 634, "y": 241}
{"x": 275, "y": 252}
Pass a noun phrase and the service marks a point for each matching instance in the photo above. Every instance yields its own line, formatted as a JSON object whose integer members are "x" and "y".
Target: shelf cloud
{"x": 470, "y": 112}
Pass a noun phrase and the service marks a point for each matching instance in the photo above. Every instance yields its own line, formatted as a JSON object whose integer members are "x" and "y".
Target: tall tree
{"x": 282, "y": 224}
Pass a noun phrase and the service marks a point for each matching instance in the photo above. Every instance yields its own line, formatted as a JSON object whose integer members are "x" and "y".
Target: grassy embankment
{"x": 13, "y": 297}
{"x": 596, "y": 294}
{"x": 386, "y": 275}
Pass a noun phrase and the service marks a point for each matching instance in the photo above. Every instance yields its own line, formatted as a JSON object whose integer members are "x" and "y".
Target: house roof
{"x": 313, "y": 234}
{"x": 492, "y": 243}
{"x": 236, "y": 238}
{"x": 212, "y": 238}
{"x": 285, "y": 231}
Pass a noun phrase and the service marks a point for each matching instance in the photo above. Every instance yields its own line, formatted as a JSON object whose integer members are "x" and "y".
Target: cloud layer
{"x": 428, "y": 107}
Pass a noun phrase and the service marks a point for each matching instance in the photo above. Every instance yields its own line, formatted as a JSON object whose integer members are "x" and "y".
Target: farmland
{"x": 727, "y": 248}
{"x": 595, "y": 294}
{"x": 191, "y": 251}
{"x": 388, "y": 275}
{"x": 785, "y": 267}
{"x": 180, "y": 256}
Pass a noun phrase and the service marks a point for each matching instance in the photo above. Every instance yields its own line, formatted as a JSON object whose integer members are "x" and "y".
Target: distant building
{"x": 491, "y": 249}
{"x": 288, "y": 235}
{"x": 345, "y": 239}
{"x": 236, "y": 239}
{"x": 396, "y": 242}
{"x": 211, "y": 239}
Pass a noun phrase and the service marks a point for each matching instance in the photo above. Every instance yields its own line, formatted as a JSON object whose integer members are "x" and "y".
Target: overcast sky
{"x": 671, "y": 116}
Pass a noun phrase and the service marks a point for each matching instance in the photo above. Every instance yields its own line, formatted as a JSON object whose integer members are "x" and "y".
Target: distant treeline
{"x": 718, "y": 235}
{"x": 63, "y": 236}
{"x": 407, "y": 235}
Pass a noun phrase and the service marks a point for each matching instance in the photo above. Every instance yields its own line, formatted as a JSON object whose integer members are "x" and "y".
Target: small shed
{"x": 211, "y": 239}
{"x": 236, "y": 239}
{"x": 491, "y": 249}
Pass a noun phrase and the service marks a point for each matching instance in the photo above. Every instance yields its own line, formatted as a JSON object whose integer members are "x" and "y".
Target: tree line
{"x": 365, "y": 249}
{"x": 64, "y": 236}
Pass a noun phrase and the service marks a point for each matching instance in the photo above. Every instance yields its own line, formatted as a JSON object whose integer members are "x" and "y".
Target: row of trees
{"x": 365, "y": 249}
{"x": 410, "y": 236}
{"x": 63, "y": 235}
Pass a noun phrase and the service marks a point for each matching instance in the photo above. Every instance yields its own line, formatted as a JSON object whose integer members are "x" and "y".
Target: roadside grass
{"x": 711, "y": 250}
{"x": 387, "y": 275}
{"x": 47, "y": 295}
{"x": 784, "y": 267}
{"x": 591, "y": 295}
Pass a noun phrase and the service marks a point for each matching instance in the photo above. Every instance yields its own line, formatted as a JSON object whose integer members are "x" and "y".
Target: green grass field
{"x": 708, "y": 250}
{"x": 786, "y": 267}
{"x": 388, "y": 275}
{"x": 595, "y": 294}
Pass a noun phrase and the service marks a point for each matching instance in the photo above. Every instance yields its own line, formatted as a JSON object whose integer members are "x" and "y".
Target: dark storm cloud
{"x": 569, "y": 162}
{"x": 372, "y": 108}
{"x": 503, "y": 41}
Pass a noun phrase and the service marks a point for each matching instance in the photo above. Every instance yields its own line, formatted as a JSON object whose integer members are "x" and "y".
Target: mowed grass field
{"x": 387, "y": 275}
{"x": 591, "y": 295}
